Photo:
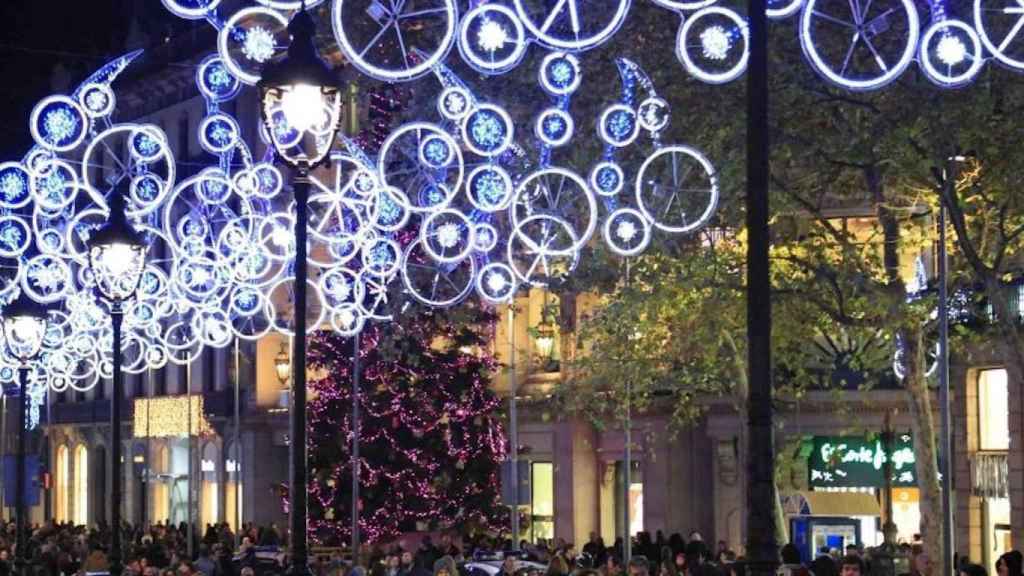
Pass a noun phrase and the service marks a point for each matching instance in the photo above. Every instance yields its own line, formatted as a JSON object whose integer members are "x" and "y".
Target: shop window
{"x": 993, "y": 411}
{"x": 542, "y": 501}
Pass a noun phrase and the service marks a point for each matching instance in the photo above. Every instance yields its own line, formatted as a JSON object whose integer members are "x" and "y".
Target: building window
{"x": 81, "y": 493}
{"x": 542, "y": 501}
{"x": 993, "y": 410}
{"x": 63, "y": 484}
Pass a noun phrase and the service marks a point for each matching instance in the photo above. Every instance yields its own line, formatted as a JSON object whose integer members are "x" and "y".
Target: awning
{"x": 830, "y": 504}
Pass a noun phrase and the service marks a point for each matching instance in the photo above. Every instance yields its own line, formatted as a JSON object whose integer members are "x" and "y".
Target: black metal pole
{"x": 355, "y": 449}
{"x": 762, "y": 549}
{"x": 19, "y": 482}
{"x": 298, "y": 485}
{"x": 947, "y": 438}
{"x": 116, "y": 567}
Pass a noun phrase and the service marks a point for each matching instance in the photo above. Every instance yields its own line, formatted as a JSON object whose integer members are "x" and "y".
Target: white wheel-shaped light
{"x": 713, "y": 45}
{"x": 379, "y": 37}
{"x": 492, "y": 38}
{"x": 496, "y": 283}
{"x": 676, "y": 189}
{"x": 951, "y": 53}
{"x": 627, "y": 232}
{"x": 859, "y": 44}
{"x": 572, "y": 25}
{"x": 250, "y": 39}
{"x": 999, "y": 24}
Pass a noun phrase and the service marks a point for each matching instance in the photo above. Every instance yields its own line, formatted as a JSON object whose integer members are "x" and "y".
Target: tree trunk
{"x": 925, "y": 447}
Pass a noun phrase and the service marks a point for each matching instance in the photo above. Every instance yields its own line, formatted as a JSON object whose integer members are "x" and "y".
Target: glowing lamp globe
{"x": 545, "y": 340}
{"x": 301, "y": 99}
{"x": 117, "y": 254}
{"x": 24, "y": 326}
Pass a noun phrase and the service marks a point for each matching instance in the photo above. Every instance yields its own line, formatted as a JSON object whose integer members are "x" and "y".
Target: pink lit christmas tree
{"x": 431, "y": 442}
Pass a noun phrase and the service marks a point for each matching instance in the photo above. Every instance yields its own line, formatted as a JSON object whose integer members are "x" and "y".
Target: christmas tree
{"x": 431, "y": 442}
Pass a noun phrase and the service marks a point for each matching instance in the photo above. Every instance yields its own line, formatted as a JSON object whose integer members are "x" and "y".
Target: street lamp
{"x": 24, "y": 326}
{"x": 283, "y": 365}
{"x": 301, "y": 109}
{"x": 117, "y": 257}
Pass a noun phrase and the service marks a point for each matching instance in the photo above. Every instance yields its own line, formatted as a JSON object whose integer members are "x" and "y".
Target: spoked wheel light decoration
{"x": 117, "y": 260}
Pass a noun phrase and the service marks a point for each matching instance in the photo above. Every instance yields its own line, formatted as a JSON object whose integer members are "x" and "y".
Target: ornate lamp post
{"x": 24, "y": 325}
{"x": 301, "y": 109}
{"x": 117, "y": 257}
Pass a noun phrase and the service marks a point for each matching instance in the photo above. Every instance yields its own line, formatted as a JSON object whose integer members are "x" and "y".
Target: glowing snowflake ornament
{"x": 492, "y": 36}
{"x": 715, "y": 43}
{"x": 258, "y": 45}
{"x": 951, "y": 50}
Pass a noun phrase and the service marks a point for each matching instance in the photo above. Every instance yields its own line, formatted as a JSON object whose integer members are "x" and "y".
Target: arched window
{"x": 62, "y": 481}
{"x": 80, "y": 503}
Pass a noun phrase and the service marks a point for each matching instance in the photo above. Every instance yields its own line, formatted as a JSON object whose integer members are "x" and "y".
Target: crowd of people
{"x": 164, "y": 550}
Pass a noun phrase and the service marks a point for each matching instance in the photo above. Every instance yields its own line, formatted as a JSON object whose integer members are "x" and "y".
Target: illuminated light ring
{"x": 490, "y": 171}
{"x": 709, "y": 171}
{"x": 133, "y": 350}
{"x": 946, "y": 29}
{"x": 15, "y": 186}
{"x": 387, "y": 268}
{"x": 290, "y": 4}
{"x": 245, "y": 301}
{"x": 639, "y": 224}
{"x": 187, "y": 342}
{"x": 141, "y": 313}
{"x": 684, "y": 40}
{"x": 97, "y": 100}
{"x": 36, "y": 155}
{"x": 269, "y": 178}
{"x": 525, "y": 197}
{"x": 897, "y": 361}
{"x": 85, "y": 376}
{"x": 200, "y": 278}
{"x": 215, "y": 64}
{"x": 495, "y": 291}
{"x": 51, "y": 274}
{"x": 375, "y": 294}
{"x": 684, "y": 6}
{"x": 389, "y": 149}
{"x": 242, "y": 252}
{"x": 788, "y": 8}
{"x": 213, "y": 122}
{"x": 454, "y": 103}
{"x": 256, "y": 325}
{"x": 506, "y": 136}
{"x": 329, "y": 281}
{"x": 546, "y": 116}
{"x": 588, "y": 40}
{"x": 607, "y": 117}
{"x": 653, "y": 114}
{"x": 436, "y": 230}
{"x": 424, "y": 152}
{"x": 157, "y": 356}
{"x": 998, "y": 49}
{"x": 15, "y": 236}
{"x": 191, "y": 10}
{"x": 348, "y": 320}
{"x": 480, "y": 61}
{"x": 79, "y": 124}
{"x": 337, "y": 223}
{"x": 390, "y": 198}
{"x": 539, "y": 257}
{"x": 550, "y": 84}
{"x": 214, "y": 188}
{"x": 277, "y": 238}
{"x": 314, "y": 304}
{"x": 50, "y": 200}
{"x": 486, "y": 237}
{"x": 213, "y": 327}
{"x": 141, "y": 187}
{"x": 79, "y": 229}
{"x": 165, "y": 156}
{"x": 807, "y": 42}
{"x": 51, "y": 241}
{"x": 425, "y": 63}
{"x": 603, "y": 171}
{"x": 446, "y": 286}
{"x": 225, "y": 36}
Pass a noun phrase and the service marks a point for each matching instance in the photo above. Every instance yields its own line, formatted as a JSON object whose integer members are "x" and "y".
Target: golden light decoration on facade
{"x": 170, "y": 416}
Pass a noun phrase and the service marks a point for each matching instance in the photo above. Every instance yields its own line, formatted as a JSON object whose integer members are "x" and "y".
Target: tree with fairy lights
{"x": 431, "y": 442}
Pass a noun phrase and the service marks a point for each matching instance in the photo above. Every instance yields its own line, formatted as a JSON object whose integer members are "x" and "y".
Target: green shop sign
{"x": 856, "y": 462}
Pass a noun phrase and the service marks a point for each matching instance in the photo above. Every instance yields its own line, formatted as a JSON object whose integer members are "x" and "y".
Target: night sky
{"x": 81, "y": 36}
